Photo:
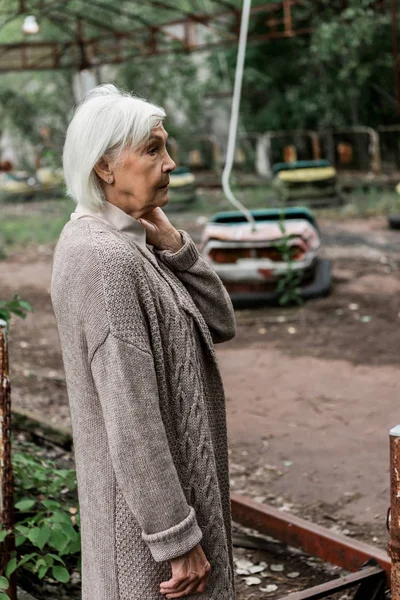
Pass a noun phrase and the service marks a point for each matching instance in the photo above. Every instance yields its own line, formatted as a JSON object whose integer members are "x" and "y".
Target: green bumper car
{"x": 314, "y": 180}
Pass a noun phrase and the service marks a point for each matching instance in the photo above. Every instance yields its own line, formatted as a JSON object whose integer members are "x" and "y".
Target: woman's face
{"x": 141, "y": 176}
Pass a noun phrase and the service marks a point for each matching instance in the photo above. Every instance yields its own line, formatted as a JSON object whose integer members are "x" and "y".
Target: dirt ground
{"x": 311, "y": 392}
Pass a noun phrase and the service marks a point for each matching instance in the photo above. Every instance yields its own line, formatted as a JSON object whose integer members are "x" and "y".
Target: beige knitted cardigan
{"x": 147, "y": 408}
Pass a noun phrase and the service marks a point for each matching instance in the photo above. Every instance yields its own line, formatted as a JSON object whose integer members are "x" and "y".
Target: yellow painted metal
{"x": 307, "y": 175}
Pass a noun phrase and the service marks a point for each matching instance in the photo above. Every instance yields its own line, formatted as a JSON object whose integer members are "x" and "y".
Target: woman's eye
{"x": 152, "y": 150}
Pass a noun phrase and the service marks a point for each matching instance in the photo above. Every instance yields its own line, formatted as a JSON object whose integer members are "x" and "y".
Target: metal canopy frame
{"x": 93, "y": 33}
{"x": 89, "y": 41}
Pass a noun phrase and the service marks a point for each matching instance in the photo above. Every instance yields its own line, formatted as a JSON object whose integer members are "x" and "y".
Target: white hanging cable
{"x": 233, "y": 125}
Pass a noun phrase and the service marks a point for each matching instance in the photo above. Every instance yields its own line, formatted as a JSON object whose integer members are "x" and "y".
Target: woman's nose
{"x": 169, "y": 165}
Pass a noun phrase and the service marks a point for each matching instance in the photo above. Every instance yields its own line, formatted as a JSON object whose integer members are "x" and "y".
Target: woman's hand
{"x": 190, "y": 574}
{"x": 160, "y": 232}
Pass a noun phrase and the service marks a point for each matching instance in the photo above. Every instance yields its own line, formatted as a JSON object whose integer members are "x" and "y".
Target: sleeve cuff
{"x": 184, "y": 258}
{"x": 176, "y": 541}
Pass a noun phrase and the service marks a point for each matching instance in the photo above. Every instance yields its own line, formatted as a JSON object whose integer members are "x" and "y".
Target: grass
{"x": 28, "y": 224}
{"x": 371, "y": 203}
{"x": 40, "y": 223}
{"x": 360, "y": 203}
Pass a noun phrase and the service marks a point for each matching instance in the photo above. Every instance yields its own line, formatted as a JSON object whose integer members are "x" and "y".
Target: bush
{"x": 47, "y": 528}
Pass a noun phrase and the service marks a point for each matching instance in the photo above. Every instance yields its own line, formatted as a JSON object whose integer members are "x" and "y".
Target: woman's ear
{"x": 103, "y": 170}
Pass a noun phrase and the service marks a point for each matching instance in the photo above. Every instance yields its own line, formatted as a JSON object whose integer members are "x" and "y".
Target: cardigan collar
{"x": 116, "y": 217}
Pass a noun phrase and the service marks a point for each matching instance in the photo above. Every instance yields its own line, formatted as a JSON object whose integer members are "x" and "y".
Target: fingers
{"x": 190, "y": 589}
{"x": 192, "y": 584}
{"x": 190, "y": 573}
{"x": 193, "y": 588}
{"x": 178, "y": 585}
{"x": 201, "y": 588}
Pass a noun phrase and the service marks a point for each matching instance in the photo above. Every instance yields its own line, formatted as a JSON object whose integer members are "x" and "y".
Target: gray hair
{"x": 107, "y": 121}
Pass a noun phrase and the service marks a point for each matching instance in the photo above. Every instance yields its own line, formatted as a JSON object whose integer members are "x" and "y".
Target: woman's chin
{"x": 164, "y": 200}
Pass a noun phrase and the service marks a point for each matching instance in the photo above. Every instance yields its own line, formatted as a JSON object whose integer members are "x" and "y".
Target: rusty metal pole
{"x": 314, "y": 539}
{"x": 395, "y": 50}
{"x": 287, "y": 18}
{"x": 394, "y": 543}
{"x": 6, "y": 473}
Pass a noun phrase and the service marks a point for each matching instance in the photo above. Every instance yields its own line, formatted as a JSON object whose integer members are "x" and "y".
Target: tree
{"x": 339, "y": 75}
{"x": 33, "y": 106}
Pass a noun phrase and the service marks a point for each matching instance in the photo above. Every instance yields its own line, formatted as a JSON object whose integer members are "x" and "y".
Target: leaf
{"x": 40, "y": 563}
{"x": 4, "y": 583}
{"x": 25, "y": 505}
{"x": 42, "y": 571}
{"x": 5, "y": 315}
{"x": 51, "y": 504}
{"x": 57, "y": 558}
{"x": 4, "y": 596}
{"x": 34, "y": 535}
{"x": 44, "y": 537}
{"x": 61, "y": 517}
{"x": 12, "y": 565}
{"x": 69, "y": 531}
{"x": 60, "y": 574}
{"x": 25, "y": 305}
{"x": 3, "y": 535}
{"x": 49, "y": 560}
{"x": 74, "y": 546}
{"x": 22, "y": 529}
{"x": 27, "y": 558}
{"x": 58, "y": 540}
{"x": 19, "y": 540}
{"x": 20, "y": 313}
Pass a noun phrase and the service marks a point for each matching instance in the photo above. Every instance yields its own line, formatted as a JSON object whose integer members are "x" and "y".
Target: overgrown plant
{"x": 15, "y": 306}
{"x": 288, "y": 287}
{"x": 47, "y": 529}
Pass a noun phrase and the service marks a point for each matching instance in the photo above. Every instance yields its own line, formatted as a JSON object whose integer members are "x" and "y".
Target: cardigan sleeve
{"x": 126, "y": 384}
{"x": 204, "y": 286}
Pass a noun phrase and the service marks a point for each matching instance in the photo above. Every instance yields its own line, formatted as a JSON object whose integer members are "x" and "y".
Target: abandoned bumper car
{"x": 250, "y": 260}
{"x": 311, "y": 180}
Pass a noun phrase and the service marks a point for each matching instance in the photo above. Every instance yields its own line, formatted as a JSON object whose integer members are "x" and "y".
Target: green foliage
{"x": 16, "y": 306}
{"x": 340, "y": 74}
{"x": 173, "y": 81}
{"x": 288, "y": 288}
{"x": 28, "y": 104}
{"x": 47, "y": 529}
{"x": 33, "y": 475}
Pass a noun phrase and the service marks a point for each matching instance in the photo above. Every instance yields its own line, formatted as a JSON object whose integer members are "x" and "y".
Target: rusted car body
{"x": 249, "y": 260}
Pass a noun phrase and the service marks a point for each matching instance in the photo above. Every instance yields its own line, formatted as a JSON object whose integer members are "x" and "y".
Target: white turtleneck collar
{"x": 117, "y": 218}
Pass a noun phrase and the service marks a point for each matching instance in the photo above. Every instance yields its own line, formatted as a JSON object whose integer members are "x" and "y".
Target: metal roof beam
{"x": 114, "y": 47}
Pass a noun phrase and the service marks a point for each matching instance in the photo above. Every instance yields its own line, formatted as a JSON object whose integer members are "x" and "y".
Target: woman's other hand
{"x": 190, "y": 574}
{"x": 160, "y": 232}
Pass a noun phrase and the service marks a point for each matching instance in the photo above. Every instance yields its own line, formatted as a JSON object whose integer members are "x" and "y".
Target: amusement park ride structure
{"x": 94, "y": 32}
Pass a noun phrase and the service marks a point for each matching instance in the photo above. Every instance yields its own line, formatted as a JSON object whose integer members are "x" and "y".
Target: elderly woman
{"x": 137, "y": 327}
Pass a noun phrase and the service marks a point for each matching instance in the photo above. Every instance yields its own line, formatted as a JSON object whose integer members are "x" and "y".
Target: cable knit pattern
{"x": 147, "y": 409}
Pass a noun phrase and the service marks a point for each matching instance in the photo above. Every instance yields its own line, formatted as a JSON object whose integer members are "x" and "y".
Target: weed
{"x": 16, "y": 306}
{"x": 47, "y": 529}
{"x": 288, "y": 287}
